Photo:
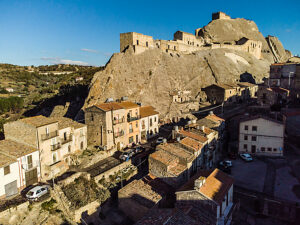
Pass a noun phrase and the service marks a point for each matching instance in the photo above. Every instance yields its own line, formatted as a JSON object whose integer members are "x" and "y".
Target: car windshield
{"x": 30, "y": 193}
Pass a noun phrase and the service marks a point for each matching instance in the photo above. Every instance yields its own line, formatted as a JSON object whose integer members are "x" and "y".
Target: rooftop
{"x": 214, "y": 118}
{"x": 15, "y": 149}
{"x": 6, "y": 160}
{"x": 38, "y": 121}
{"x": 191, "y": 143}
{"x": 127, "y": 104}
{"x": 197, "y": 137}
{"x": 254, "y": 117}
{"x": 64, "y": 122}
{"x": 176, "y": 150}
{"x": 140, "y": 192}
{"x": 177, "y": 169}
{"x": 247, "y": 84}
{"x": 108, "y": 106}
{"x": 164, "y": 157}
{"x": 146, "y": 111}
{"x": 216, "y": 185}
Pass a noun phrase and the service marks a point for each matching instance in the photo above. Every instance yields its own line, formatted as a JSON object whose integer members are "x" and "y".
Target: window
{"x": 175, "y": 48}
{"x": 69, "y": 148}
{"x": 246, "y": 127}
{"x": 130, "y": 140}
{"x": 253, "y": 138}
{"x": 263, "y": 149}
{"x": 245, "y": 146}
{"x": 253, "y": 148}
{"x": 54, "y": 158}
{"x": 150, "y": 122}
{"x": 269, "y": 149}
{"x": 245, "y": 137}
{"x": 155, "y": 131}
{"x": 65, "y": 135}
{"x": 92, "y": 117}
{"x": 146, "y": 43}
{"x": 155, "y": 119}
{"x": 137, "y": 42}
{"x": 130, "y": 128}
{"x": 274, "y": 149}
{"x": 254, "y": 128}
{"x": 7, "y": 170}
{"x": 81, "y": 145}
{"x": 29, "y": 161}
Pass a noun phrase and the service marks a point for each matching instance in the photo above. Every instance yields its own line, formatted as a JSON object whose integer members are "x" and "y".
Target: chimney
{"x": 199, "y": 182}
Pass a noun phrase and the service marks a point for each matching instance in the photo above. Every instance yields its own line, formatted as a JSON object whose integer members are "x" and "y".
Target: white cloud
{"x": 89, "y": 50}
{"x": 57, "y": 60}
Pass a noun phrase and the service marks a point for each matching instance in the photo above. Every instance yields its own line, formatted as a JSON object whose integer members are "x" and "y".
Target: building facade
{"x": 54, "y": 139}
{"x": 261, "y": 135}
{"x": 149, "y": 124}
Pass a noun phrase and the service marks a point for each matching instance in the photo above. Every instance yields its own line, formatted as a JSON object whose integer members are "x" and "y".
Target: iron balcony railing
{"x": 117, "y": 121}
{"x": 130, "y": 119}
{"x": 119, "y": 134}
{"x": 55, "y": 146}
{"x": 49, "y": 135}
{"x": 68, "y": 139}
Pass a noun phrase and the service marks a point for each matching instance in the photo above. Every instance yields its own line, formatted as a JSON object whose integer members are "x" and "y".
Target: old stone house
{"x": 19, "y": 167}
{"x": 137, "y": 198}
{"x": 54, "y": 144}
{"x": 221, "y": 93}
{"x": 261, "y": 135}
{"x": 209, "y": 196}
{"x": 268, "y": 96}
{"x": 149, "y": 124}
{"x": 106, "y": 125}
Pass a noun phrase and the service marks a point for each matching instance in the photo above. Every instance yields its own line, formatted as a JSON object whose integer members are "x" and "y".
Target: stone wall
{"x": 96, "y": 126}
{"x": 21, "y": 132}
{"x": 131, "y": 208}
{"x": 86, "y": 211}
{"x": 220, "y": 15}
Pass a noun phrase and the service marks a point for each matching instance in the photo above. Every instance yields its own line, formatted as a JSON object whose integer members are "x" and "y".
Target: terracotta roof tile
{"x": 127, "y": 105}
{"x": 197, "y": 137}
{"x": 38, "y": 121}
{"x": 146, "y": 111}
{"x": 214, "y": 118}
{"x": 15, "y": 149}
{"x": 164, "y": 157}
{"x": 191, "y": 143}
{"x": 176, "y": 150}
{"x": 6, "y": 160}
{"x": 64, "y": 122}
{"x": 108, "y": 106}
{"x": 216, "y": 185}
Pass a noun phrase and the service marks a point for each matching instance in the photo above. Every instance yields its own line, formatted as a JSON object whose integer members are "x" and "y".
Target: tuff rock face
{"x": 153, "y": 76}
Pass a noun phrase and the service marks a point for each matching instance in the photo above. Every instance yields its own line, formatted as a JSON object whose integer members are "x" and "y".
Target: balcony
{"x": 130, "y": 119}
{"x": 119, "y": 134}
{"x": 68, "y": 139}
{"x": 55, "y": 147}
{"x": 49, "y": 135}
{"x": 118, "y": 121}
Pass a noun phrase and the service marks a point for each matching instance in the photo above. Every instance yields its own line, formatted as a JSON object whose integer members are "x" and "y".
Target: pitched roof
{"x": 6, "y": 160}
{"x": 38, "y": 121}
{"x": 247, "y": 84}
{"x": 141, "y": 193}
{"x": 108, "y": 106}
{"x": 216, "y": 186}
{"x": 127, "y": 104}
{"x": 248, "y": 118}
{"x": 197, "y": 137}
{"x": 214, "y": 118}
{"x": 164, "y": 157}
{"x": 176, "y": 150}
{"x": 15, "y": 149}
{"x": 64, "y": 122}
{"x": 146, "y": 111}
{"x": 191, "y": 143}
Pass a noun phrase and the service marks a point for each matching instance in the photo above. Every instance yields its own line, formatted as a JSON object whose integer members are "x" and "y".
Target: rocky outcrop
{"x": 151, "y": 77}
{"x": 231, "y": 30}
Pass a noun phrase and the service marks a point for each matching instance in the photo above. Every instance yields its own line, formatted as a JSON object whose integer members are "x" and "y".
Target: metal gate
{"x": 11, "y": 188}
{"x": 31, "y": 177}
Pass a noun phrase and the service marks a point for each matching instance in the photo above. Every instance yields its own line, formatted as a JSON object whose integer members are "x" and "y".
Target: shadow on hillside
{"x": 75, "y": 95}
{"x": 247, "y": 77}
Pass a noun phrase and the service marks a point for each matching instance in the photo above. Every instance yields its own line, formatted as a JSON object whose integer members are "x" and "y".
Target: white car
{"x": 246, "y": 157}
{"x": 37, "y": 192}
{"x": 227, "y": 163}
{"x": 159, "y": 140}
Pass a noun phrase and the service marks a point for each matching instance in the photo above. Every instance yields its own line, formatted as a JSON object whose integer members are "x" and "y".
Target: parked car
{"x": 246, "y": 157}
{"x": 139, "y": 149}
{"x": 227, "y": 163}
{"x": 159, "y": 140}
{"x": 225, "y": 168}
{"x": 38, "y": 191}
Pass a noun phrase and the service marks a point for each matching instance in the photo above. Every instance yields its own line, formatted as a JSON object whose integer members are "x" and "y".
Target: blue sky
{"x": 87, "y": 32}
